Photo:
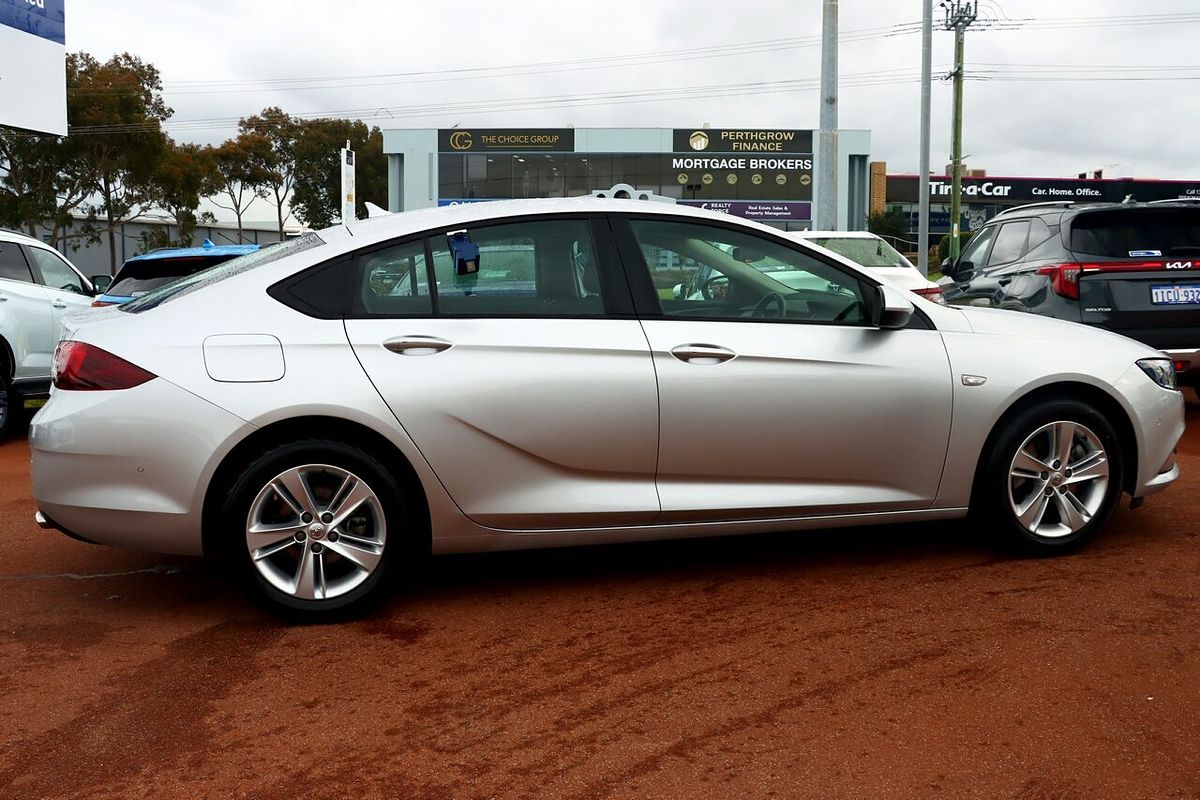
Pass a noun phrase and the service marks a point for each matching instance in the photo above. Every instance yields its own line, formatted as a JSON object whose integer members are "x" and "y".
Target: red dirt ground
{"x": 897, "y": 662}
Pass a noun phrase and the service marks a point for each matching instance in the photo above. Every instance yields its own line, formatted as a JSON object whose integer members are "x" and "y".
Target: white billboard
{"x": 33, "y": 65}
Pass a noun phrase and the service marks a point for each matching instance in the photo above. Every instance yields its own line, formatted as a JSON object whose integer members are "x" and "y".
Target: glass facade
{"x": 499, "y": 176}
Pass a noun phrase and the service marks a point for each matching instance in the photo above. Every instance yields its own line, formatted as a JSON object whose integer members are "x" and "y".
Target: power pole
{"x": 926, "y": 78}
{"x": 959, "y": 15}
{"x": 827, "y": 155}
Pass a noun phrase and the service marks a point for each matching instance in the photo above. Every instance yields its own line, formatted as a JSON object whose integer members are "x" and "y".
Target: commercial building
{"x": 984, "y": 196}
{"x": 761, "y": 174}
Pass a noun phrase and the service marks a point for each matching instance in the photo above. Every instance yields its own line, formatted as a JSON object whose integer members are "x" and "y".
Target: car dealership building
{"x": 769, "y": 175}
{"x": 984, "y": 196}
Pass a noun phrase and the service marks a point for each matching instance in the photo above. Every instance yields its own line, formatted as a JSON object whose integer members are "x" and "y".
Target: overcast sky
{"x": 214, "y": 56}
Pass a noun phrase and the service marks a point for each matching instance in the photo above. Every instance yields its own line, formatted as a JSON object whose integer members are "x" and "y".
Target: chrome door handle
{"x": 59, "y": 304}
{"x": 417, "y": 345}
{"x": 702, "y": 354}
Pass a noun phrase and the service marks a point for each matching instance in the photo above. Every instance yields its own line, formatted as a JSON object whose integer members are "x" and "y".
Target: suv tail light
{"x": 1065, "y": 277}
{"x": 933, "y": 293}
{"x": 82, "y": 367}
{"x": 99, "y": 303}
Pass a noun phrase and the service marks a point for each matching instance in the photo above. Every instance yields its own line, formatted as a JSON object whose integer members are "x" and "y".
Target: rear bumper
{"x": 128, "y": 468}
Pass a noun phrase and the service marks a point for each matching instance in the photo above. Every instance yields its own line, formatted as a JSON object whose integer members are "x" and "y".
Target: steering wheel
{"x": 845, "y": 312}
{"x": 769, "y": 299}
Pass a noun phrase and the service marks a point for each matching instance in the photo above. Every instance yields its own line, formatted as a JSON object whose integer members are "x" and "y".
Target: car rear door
{"x": 26, "y": 322}
{"x": 1139, "y": 273}
{"x": 766, "y": 415}
{"x": 525, "y": 379}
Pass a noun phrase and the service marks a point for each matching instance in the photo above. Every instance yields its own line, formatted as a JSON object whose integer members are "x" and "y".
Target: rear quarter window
{"x": 1134, "y": 232}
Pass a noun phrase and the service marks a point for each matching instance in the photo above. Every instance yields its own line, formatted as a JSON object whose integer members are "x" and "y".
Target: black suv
{"x": 1131, "y": 268}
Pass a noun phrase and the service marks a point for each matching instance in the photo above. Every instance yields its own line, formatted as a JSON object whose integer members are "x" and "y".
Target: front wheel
{"x": 1053, "y": 478}
{"x": 317, "y": 525}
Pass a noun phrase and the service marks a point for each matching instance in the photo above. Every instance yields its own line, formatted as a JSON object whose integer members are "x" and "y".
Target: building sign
{"x": 728, "y": 140}
{"x": 743, "y": 177}
{"x": 762, "y": 210}
{"x": 1013, "y": 191}
{"x": 33, "y": 71}
{"x": 492, "y": 140}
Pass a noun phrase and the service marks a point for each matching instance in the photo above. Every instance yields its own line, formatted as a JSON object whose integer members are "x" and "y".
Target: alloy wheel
{"x": 1058, "y": 479}
{"x": 315, "y": 532}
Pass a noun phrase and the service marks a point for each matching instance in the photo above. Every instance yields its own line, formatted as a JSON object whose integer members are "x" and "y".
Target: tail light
{"x": 82, "y": 367}
{"x": 933, "y": 293}
{"x": 1065, "y": 277}
{"x": 99, "y": 303}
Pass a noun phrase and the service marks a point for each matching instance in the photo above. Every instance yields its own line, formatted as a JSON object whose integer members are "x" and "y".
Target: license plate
{"x": 1174, "y": 295}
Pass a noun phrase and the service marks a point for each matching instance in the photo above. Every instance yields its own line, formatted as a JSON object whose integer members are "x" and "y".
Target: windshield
{"x": 236, "y": 266}
{"x": 138, "y": 277}
{"x": 864, "y": 252}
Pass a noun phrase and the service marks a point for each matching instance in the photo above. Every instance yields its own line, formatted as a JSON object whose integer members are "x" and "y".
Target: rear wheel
{"x": 317, "y": 526}
{"x": 1054, "y": 477}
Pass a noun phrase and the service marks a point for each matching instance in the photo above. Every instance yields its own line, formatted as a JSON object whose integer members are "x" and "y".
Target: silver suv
{"x": 37, "y": 287}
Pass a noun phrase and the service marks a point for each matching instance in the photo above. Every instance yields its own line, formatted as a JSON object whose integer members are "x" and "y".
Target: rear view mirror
{"x": 747, "y": 255}
{"x": 894, "y": 308}
{"x": 101, "y": 282}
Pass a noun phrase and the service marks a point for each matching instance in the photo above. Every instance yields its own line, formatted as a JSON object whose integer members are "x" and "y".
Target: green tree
{"x": 891, "y": 224}
{"x": 42, "y": 178}
{"x": 273, "y": 152}
{"x": 317, "y": 190}
{"x": 237, "y": 176}
{"x": 115, "y": 111}
{"x": 185, "y": 172}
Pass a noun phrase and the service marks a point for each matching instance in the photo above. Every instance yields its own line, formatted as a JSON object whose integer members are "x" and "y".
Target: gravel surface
{"x": 887, "y": 662}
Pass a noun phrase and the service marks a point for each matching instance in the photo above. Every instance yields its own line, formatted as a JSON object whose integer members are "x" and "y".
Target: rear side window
{"x": 540, "y": 269}
{"x": 1137, "y": 232}
{"x": 138, "y": 277}
{"x": 12, "y": 263}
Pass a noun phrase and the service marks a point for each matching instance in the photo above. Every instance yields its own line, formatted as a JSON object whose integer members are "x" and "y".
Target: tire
{"x": 325, "y": 555}
{"x": 10, "y": 405}
{"x": 1035, "y": 500}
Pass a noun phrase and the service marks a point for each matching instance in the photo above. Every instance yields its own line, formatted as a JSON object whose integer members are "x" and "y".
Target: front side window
{"x": 706, "y": 271}
{"x": 972, "y": 256}
{"x": 55, "y": 272}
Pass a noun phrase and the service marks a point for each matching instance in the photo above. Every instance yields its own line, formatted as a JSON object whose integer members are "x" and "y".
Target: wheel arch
{"x": 308, "y": 427}
{"x": 1085, "y": 393}
{"x": 8, "y": 361}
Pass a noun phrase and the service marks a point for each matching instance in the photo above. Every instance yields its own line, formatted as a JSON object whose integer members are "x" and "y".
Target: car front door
{"x": 778, "y": 398}
{"x": 66, "y": 289}
{"x": 25, "y": 319}
{"x": 523, "y": 377}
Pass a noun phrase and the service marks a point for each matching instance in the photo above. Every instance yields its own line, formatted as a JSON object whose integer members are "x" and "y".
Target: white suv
{"x": 37, "y": 287}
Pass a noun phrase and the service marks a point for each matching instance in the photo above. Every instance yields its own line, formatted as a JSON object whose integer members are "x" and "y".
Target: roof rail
{"x": 1175, "y": 200}
{"x": 1044, "y": 204}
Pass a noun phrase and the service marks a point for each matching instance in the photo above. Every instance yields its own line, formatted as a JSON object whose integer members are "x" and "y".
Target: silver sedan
{"x": 524, "y": 374}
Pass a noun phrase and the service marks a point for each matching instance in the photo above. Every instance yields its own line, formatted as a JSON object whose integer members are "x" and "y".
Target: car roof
{"x": 833, "y": 234}
{"x": 208, "y": 249}
{"x": 421, "y": 219}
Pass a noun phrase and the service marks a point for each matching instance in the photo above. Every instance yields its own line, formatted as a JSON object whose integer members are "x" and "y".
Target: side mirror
{"x": 101, "y": 282}
{"x": 894, "y": 309}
